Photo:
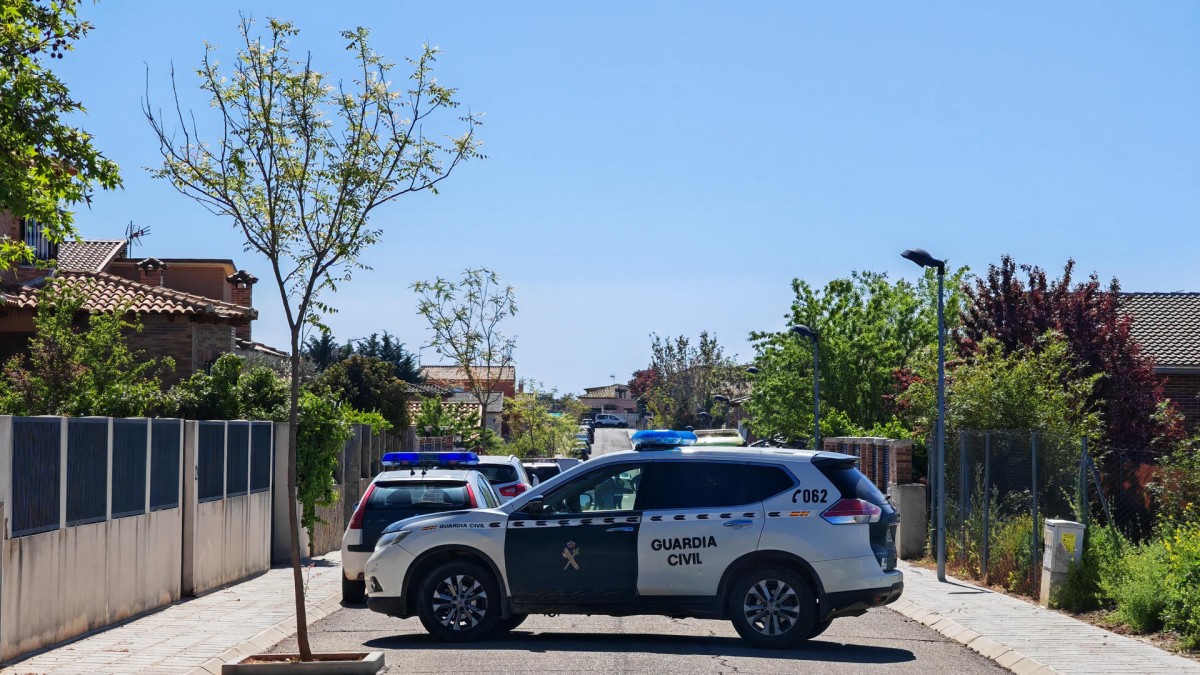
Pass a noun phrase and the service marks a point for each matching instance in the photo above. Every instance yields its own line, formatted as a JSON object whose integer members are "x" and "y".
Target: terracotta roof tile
{"x": 454, "y": 373}
{"x": 1167, "y": 325}
{"x": 89, "y": 255}
{"x": 106, "y": 292}
{"x": 607, "y": 391}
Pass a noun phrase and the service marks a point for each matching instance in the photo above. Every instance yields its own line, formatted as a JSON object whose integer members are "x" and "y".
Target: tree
{"x": 387, "y": 348}
{"x": 79, "y": 368}
{"x": 465, "y": 319}
{"x": 299, "y": 165}
{"x": 323, "y": 351}
{"x": 642, "y": 381}
{"x": 230, "y": 390}
{"x": 686, "y": 378}
{"x": 369, "y": 384}
{"x": 1017, "y": 313}
{"x": 46, "y": 164}
{"x": 869, "y": 331}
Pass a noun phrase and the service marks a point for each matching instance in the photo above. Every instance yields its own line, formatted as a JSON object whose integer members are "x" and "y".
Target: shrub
{"x": 1136, "y": 586}
{"x": 1010, "y": 558}
{"x": 1103, "y": 553}
{"x": 320, "y": 436}
{"x": 1181, "y": 544}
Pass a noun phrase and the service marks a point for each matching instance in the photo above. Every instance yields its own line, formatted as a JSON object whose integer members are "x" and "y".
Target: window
{"x": 487, "y": 497}
{"x": 498, "y": 473}
{"x": 714, "y": 485}
{"x": 613, "y": 488}
{"x": 413, "y": 495}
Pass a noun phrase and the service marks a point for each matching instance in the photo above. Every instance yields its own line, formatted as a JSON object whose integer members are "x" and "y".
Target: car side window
{"x": 694, "y": 485}
{"x": 612, "y": 488}
{"x": 488, "y": 497}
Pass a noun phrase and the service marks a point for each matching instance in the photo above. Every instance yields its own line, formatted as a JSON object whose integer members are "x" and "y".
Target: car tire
{"x": 353, "y": 592}
{"x": 459, "y": 601}
{"x": 623, "y": 425}
{"x": 773, "y": 608}
{"x": 819, "y": 627}
{"x": 509, "y": 624}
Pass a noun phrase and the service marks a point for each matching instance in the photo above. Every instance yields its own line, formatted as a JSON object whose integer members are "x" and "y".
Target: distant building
{"x": 613, "y": 399}
{"x": 1167, "y": 326}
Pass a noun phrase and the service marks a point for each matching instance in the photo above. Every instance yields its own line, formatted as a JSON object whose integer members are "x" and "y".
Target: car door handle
{"x": 619, "y": 529}
{"x": 739, "y": 523}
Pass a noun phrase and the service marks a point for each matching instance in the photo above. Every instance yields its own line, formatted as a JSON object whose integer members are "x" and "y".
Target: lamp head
{"x": 921, "y": 257}
{"x": 805, "y": 331}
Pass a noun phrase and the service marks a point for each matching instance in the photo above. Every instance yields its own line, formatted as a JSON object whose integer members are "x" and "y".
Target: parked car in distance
{"x": 607, "y": 420}
{"x": 413, "y": 484}
{"x": 541, "y": 465}
{"x": 589, "y": 430}
{"x": 506, "y": 475}
{"x": 724, "y": 437}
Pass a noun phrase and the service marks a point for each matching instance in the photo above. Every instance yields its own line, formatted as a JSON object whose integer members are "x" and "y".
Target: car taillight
{"x": 850, "y": 511}
{"x": 471, "y": 496}
{"x": 512, "y": 490}
{"x": 357, "y": 518}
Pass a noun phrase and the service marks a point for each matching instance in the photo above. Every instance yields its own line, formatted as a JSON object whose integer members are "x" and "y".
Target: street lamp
{"x": 922, "y": 258}
{"x": 721, "y": 398}
{"x": 811, "y": 334}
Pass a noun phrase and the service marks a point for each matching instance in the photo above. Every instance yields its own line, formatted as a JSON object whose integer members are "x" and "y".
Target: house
{"x": 613, "y": 399}
{"x": 1167, "y": 325}
{"x": 455, "y": 377}
{"x": 192, "y": 310}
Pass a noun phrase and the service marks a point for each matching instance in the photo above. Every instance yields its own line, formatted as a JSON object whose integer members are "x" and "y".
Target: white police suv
{"x": 413, "y": 483}
{"x": 781, "y": 542}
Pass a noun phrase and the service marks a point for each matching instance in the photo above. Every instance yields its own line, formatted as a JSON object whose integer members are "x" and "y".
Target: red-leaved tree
{"x": 1017, "y": 311}
{"x": 642, "y": 381}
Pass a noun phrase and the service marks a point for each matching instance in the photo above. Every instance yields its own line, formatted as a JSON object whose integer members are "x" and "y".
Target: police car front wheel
{"x": 459, "y": 602}
{"x": 774, "y": 607}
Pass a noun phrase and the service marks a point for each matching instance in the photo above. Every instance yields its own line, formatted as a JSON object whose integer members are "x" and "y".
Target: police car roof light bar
{"x": 657, "y": 439}
{"x": 429, "y": 459}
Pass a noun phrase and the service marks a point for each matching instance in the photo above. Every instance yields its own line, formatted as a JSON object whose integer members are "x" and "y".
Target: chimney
{"x": 241, "y": 292}
{"x": 150, "y": 271}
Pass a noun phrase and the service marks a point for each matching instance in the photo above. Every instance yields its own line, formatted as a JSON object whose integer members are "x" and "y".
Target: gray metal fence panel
{"x": 237, "y": 459}
{"x": 87, "y": 471}
{"x": 164, "y": 464}
{"x": 36, "y": 475}
{"x": 261, "y": 451}
{"x": 129, "y": 467}
{"x": 210, "y": 462}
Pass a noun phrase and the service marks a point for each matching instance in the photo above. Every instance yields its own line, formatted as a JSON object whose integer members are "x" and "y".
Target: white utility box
{"x": 1063, "y": 546}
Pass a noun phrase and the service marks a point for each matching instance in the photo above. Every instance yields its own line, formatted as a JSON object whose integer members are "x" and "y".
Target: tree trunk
{"x": 293, "y": 523}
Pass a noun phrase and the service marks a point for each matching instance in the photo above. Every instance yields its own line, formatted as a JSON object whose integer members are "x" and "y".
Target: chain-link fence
{"x": 1001, "y": 486}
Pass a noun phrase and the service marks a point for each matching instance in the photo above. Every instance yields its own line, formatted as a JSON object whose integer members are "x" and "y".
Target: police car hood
{"x": 446, "y": 517}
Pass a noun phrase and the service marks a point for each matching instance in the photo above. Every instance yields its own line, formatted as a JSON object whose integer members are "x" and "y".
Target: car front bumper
{"x": 384, "y": 575}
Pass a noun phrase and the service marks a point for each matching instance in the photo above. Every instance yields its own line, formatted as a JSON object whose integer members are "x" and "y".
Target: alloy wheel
{"x": 459, "y": 602}
{"x": 771, "y": 607}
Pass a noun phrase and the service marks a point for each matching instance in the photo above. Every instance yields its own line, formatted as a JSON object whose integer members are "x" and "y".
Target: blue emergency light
{"x": 429, "y": 459}
{"x": 658, "y": 439}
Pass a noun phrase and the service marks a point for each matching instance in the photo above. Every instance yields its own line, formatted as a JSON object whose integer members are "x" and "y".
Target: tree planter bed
{"x": 349, "y": 663}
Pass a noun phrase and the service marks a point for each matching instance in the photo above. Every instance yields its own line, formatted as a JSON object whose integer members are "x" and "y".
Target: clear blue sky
{"x": 669, "y": 167}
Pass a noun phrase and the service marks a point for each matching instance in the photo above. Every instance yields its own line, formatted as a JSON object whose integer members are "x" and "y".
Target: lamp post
{"x": 811, "y": 334}
{"x": 922, "y": 258}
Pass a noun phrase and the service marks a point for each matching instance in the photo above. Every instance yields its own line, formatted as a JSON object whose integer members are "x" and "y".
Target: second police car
{"x": 780, "y": 542}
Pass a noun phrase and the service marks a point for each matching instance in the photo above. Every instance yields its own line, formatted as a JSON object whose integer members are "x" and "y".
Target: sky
{"x": 669, "y": 167}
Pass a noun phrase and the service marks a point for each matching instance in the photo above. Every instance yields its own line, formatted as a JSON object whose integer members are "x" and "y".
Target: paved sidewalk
{"x": 1024, "y": 637}
{"x": 198, "y": 634}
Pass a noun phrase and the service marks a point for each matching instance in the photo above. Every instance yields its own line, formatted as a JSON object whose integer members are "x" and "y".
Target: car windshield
{"x": 414, "y": 495}
{"x": 498, "y": 473}
{"x": 543, "y": 472}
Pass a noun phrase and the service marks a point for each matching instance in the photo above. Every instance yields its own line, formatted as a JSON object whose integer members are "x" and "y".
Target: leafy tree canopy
{"x": 369, "y": 384}
{"x": 869, "y": 329}
{"x": 686, "y": 376}
{"x": 47, "y": 165}
{"x": 230, "y": 390}
{"x": 324, "y": 351}
{"x": 1016, "y": 312}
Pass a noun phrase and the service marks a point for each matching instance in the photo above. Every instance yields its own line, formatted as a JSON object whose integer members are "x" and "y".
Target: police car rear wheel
{"x": 773, "y": 608}
{"x": 459, "y": 602}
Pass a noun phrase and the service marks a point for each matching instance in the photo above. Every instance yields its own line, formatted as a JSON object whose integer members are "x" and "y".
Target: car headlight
{"x": 390, "y": 538}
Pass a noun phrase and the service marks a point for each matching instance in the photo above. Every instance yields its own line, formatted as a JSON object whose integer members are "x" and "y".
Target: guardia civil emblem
{"x": 570, "y": 553}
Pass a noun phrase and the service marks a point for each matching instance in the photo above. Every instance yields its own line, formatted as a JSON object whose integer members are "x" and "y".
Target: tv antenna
{"x": 133, "y": 235}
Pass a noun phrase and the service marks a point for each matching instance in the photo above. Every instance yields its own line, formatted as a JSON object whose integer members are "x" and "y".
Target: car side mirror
{"x": 534, "y": 506}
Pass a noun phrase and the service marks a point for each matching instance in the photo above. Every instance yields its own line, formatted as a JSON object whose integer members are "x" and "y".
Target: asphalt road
{"x": 880, "y": 640}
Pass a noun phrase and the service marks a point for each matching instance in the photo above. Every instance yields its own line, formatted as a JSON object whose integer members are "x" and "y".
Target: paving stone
{"x": 189, "y": 636}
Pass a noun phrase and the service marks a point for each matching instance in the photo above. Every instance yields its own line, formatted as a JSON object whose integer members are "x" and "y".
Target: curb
{"x": 990, "y": 649}
{"x": 269, "y": 637}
